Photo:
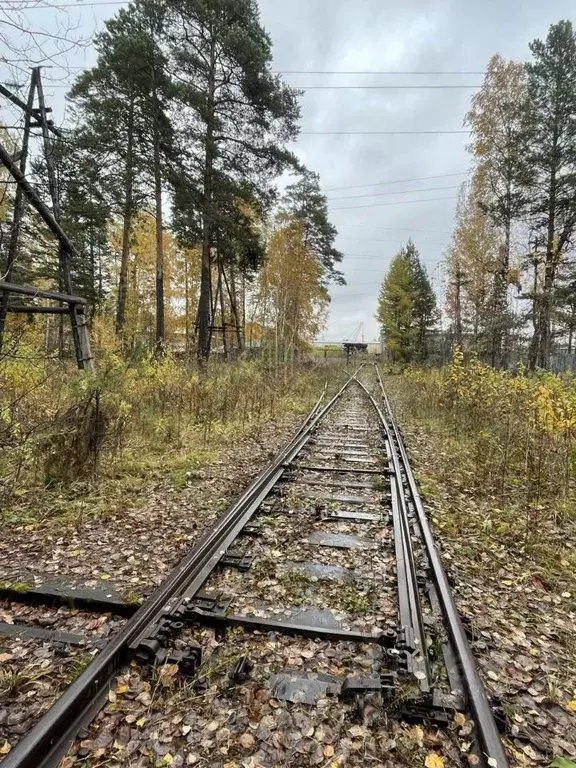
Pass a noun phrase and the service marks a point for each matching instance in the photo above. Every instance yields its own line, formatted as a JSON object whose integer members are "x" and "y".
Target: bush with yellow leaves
{"x": 58, "y": 425}
{"x": 522, "y": 427}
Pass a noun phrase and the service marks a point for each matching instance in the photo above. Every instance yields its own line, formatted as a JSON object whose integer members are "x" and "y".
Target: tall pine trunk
{"x": 160, "y": 330}
{"x": 204, "y": 317}
{"x": 128, "y": 213}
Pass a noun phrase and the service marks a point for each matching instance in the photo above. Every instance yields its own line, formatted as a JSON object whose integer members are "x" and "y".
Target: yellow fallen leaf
{"x": 168, "y": 759}
{"x": 122, "y": 689}
{"x": 140, "y": 722}
{"x": 572, "y": 705}
{"x": 5, "y": 748}
{"x": 104, "y": 576}
{"x": 460, "y": 719}
{"x": 433, "y": 761}
{"x": 328, "y": 750}
{"x": 247, "y": 740}
{"x": 112, "y": 696}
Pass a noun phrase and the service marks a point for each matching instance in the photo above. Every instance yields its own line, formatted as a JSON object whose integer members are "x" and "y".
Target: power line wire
{"x": 372, "y": 72}
{"x": 355, "y": 87}
{"x": 398, "y": 202}
{"x": 387, "y": 194}
{"x": 395, "y": 229}
{"x": 375, "y": 133}
{"x": 398, "y": 181}
{"x": 470, "y": 87}
{"x": 381, "y": 240}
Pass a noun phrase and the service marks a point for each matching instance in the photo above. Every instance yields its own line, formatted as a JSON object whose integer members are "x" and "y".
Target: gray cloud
{"x": 397, "y": 35}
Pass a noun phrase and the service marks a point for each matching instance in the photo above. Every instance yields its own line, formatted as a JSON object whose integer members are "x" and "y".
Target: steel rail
{"x": 478, "y": 701}
{"x": 47, "y": 742}
{"x": 408, "y": 593}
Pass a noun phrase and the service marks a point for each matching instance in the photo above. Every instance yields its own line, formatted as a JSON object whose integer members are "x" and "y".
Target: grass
{"x": 535, "y": 533}
{"x": 103, "y": 443}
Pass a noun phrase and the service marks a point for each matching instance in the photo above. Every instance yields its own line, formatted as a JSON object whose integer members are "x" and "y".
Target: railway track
{"x": 318, "y": 597}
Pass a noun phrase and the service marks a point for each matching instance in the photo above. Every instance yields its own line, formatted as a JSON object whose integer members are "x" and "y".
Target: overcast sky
{"x": 451, "y": 36}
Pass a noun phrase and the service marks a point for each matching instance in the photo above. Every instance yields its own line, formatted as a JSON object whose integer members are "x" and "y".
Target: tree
{"x": 305, "y": 202}
{"x": 396, "y": 310}
{"x": 291, "y": 300}
{"x": 423, "y": 300}
{"x": 471, "y": 262}
{"x": 498, "y": 120}
{"x": 236, "y": 116}
{"x": 552, "y": 160}
{"x": 121, "y": 105}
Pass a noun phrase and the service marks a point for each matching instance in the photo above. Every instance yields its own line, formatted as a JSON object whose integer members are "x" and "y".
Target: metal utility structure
{"x": 355, "y": 342}
{"x": 73, "y": 306}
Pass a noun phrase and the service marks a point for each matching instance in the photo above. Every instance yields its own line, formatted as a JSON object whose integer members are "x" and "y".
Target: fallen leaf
{"x": 5, "y": 748}
{"x": 571, "y": 704}
{"x": 104, "y": 576}
{"x": 167, "y": 674}
{"x": 460, "y": 719}
{"x": 356, "y": 745}
{"x": 417, "y": 734}
{"x": 492, "y": 762}
{"x": 246, "y": 740}
{"x": 7, "y": 618}
{"x": 433, "y": 761}
{"x": 4, "y": 657}
{"x": 328, "y": 750}
{"x": 168, "y": 759}
{"x": 140, "y": 722}
{"x": 561, "y": 762}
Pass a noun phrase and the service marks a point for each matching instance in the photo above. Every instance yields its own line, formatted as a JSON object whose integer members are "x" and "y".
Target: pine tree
{"x": 424, "y": 300}
{"x": 304, "y": 201}
{"x": 122, "y": 105}
{"x": 236, "y": 115}
{"x": 396, "y": 310}
{"x": 552, "y": 159}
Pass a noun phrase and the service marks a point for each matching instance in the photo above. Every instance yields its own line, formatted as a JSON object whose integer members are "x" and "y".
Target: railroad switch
{"x": 216, "y": 603}
{"x": 361, "y": 687}
{"x": 236, "y": 559}
{"x": 363, "y": 684}
{"x": 158, "y": 647}
{"x": 241, "y": 670}
{"x": 252, "y": 528}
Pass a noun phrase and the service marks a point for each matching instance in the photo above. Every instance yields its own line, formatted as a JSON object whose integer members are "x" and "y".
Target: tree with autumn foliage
{"x": 497, "y": 119}
{"x": 290, "y": 300}
{"x": 471, "y": 262}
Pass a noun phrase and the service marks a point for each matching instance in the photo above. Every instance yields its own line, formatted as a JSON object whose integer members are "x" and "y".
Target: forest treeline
{"x": 167, "y": 182}
{"x": 510, "y": 269}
